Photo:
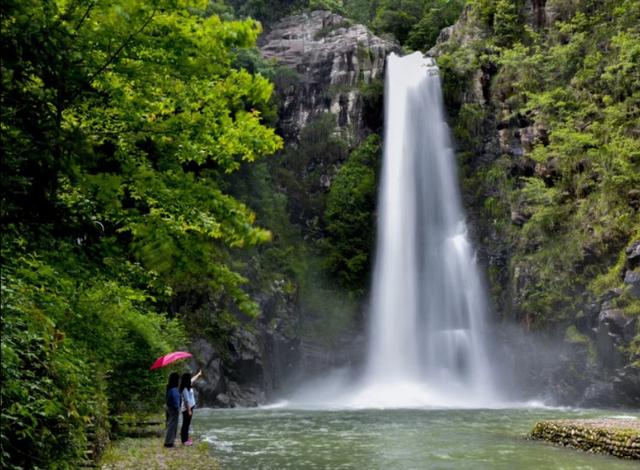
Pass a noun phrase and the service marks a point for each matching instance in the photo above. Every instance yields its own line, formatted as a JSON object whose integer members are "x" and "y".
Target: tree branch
{"x": 85, "y": 16}
{"x": 117, "y": 52}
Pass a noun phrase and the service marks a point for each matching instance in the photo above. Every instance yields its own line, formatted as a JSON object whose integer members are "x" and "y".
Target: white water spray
{"x": 427, "y": 336}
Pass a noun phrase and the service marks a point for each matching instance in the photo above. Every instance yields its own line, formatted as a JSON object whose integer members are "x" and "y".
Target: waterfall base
{"x": 337, "y": 391}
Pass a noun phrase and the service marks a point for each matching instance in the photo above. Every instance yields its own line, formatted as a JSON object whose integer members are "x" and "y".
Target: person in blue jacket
{"x": 173, "y": 409}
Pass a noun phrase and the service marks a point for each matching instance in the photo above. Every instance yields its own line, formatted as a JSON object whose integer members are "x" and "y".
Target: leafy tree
{"x": 266, "y": 11}
{"x": 139, "y": 118}
{"x": 121, "y": 121}
{"x": 362, "y": 11}
{"x": 437, "y": 15}
{"x": 301, "y": 168}
{"x": 398, "y": 17}
{"x": 350, "y": 217}
{"x": 416, "y": 23}
{"x": 506, "y": 23}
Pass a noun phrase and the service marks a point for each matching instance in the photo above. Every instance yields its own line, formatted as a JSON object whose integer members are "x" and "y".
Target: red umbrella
{"x": 169, "y": 358}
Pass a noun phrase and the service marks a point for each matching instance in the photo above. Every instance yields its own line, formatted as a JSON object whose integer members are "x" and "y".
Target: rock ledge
{"x": 615, "y": 436}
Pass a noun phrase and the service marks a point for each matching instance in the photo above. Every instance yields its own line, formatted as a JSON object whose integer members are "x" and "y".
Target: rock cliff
{"x": 329, "y": 59}
{"x": 591, "y": 334}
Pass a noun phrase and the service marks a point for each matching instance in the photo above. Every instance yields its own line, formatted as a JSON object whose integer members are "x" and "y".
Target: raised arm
{"x": 196, "y": 377}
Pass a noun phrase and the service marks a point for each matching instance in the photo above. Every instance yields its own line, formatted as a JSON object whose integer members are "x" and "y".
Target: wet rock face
{"x": 328, "y": 58}
{"x": 213, "y": 384}
{"x": 256, "y": 360}
{"x": 236, "y": 380}
{"x": 245, "y": 362}
{"x": 612, "y": 330}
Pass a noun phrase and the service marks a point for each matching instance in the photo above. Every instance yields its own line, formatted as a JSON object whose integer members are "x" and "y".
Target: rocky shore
{"x": 618, "y": 437}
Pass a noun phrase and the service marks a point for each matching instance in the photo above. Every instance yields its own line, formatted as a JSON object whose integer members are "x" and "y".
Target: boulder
{"x": 626, "y": 384}
{"x": 245, "y": 362}
{"x": 617, "y": 323}
{"x": 598, "y": 393}
{"x": 615, "y": 329}
{"x": 244, "y": 396}
{"x": 632, "y": 279}
{"x": 633, "y": 255}
{"x": 212, "y": 383}
{"x": 222, "y": 400}
{"x": 237, "y": 379}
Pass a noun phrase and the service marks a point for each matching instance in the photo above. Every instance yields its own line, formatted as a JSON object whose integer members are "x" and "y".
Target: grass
{"x": 149, "y": 453}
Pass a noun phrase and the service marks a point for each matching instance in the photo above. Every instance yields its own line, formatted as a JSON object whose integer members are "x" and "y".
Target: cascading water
{"x": 427, "y": 342}
{"x": 427, "y": 339}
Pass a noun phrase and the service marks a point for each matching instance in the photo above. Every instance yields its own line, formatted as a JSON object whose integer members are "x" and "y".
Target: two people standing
{"x": 179, "y": 397}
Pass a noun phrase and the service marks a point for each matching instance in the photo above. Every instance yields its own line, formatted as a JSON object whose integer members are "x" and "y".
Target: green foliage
{"x": 70, "y": 348}
{"x": 121, "y": 123}
{"x": 416, "y": 23}
{"x": 437, "y": 15}
{"x": 361, "y": 11}
{"x": 349, "y": 217}
{"x": 267, "y": 11}
{"x": 398, "y": 17}
{"x": 506, "y": 23}
{"x": 145, "y": 132}
{"x": 331, "y": 5}
{"x": 483, "y": 11}
{"x": 613, "y": 277}
{"x": 574, "y": 205}
{"x": 46, "y": 389}
{"x": 572, "y": 335}
{"x": 300, "y": 169}
{"x": 468, "y": 125}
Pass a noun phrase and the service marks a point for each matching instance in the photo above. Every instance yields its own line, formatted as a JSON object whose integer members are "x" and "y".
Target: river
{"x": 401, "y": 439}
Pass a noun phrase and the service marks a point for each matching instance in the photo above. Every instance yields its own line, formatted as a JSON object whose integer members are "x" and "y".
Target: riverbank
{"x": 149, "y": 453}
{"x": 618, "y": 437}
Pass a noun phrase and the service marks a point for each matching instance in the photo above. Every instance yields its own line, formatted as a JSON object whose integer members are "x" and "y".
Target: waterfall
{"x": 427, "y": 339}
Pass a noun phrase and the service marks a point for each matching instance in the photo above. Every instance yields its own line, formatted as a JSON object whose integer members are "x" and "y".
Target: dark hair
{"x": 185, "y": 382}
{"x": 174, "y": 380}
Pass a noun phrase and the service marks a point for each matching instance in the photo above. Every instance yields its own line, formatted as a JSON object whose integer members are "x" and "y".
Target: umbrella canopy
{"x": 169, "y": 358}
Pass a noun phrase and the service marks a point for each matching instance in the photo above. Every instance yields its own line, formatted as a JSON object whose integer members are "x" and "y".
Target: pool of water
{"x": 392, "y": 439}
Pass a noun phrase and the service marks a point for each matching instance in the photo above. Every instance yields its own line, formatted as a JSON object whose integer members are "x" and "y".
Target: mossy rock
{"x": 618, "y": 437}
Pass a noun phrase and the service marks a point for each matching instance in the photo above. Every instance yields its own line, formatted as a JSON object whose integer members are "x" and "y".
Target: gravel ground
{"x": 149, "y": 453}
